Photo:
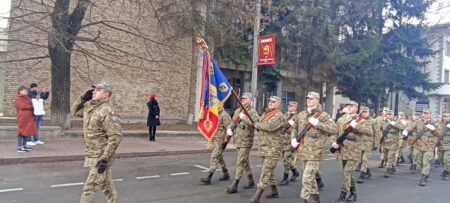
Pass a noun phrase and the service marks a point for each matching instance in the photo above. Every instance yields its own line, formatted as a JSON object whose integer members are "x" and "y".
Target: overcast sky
{"x": 439, "y": 12}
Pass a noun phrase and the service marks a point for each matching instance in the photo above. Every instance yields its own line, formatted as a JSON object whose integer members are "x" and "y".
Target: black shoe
{"x": 341, "y": 198}
{"x": 413, "y": 169}
{"x": 437, "y": 163}
{"x": 295, "y": 174}
{"x": 368, "y": 174}
{"x": 273, "y": 192}
{"x": 361, "y": 178}
{"x": 422, "y": 181}
{"x": 225, "y": 176}
{"x": 251, "y": 182}
{"x": 207, "y": 180}
{"x": 352, "y": 197}
{"x": 257, "y": 196}
{"x": 445, "y": 175}
{"x": 285, "y": 180}
{"x": 233, "y": 187}
{"x": 320, "y": 183}
{"x": 381, "y": 164}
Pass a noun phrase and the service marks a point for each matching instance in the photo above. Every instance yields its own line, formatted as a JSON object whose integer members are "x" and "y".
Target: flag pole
{"x": 242, "y": 106}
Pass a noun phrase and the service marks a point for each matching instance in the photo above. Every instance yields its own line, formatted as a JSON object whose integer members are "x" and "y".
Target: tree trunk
{"x": 60, "y": 69}
{"x": 397, "y": 100}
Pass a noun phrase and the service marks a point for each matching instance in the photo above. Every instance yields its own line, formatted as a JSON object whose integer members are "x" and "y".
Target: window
{"x": 286, "y": 97}
{"x": 447, "y": 48}
{"x": 446, "y": 76}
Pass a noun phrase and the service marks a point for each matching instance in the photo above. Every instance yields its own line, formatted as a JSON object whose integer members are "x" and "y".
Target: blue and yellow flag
{"x": 215, "y": 91}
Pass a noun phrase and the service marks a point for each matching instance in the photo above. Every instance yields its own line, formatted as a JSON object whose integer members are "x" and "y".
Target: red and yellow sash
{"x": 269, "y": 115}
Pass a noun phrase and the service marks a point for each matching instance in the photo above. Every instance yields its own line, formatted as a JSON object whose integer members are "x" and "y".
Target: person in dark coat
{"x": 33, "y": 92}
{"x": 25, "y": 119}
{"x": 153, "y": 116}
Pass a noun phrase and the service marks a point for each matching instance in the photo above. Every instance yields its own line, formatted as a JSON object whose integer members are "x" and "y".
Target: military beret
{"x": 426, "y": 111}
{"x": 105, "y": 86}
{"x": 246, "y": 95}
{"x": 313, "y": 95}
{"x": 364, "y": 108}
{"x": 293, "y": 103}
{"x": 275, "y": 98}
{"x": 352, "y": 103}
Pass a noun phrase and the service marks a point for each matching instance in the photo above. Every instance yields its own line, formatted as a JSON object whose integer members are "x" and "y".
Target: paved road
{"x": 173, "y": 179}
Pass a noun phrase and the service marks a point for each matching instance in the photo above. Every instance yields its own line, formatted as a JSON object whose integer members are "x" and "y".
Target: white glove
{"x": 229, "y": 132}
{"x": 404, "y": 122}
{"x": 314, "y": 121}
{"x": 405, "y": 133}
{"x": 241, "y": 115}
{"x": 291, "y": 122}
{"x": 335, "y": 145}
{"x": 354, "y": 123}
{"x": 392, "y": 123}
{"x": 294, "y": 143}
{"x": 429, "y": 126}
{"x": 448, "y": 125}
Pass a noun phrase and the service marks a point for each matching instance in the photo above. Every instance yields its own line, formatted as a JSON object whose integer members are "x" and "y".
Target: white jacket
{"x": 38, "y": 106}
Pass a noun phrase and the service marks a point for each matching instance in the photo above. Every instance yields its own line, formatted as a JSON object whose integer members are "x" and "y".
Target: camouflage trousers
{"x": 446, "y": 160}
{"x": 439, "y": 154}
{"x": 422, "y": 159}
{"x": 288, "y": 161}
{"x": 309, "y": 183}
{"x": 216, "y": 160}
{"x": 410, "y": 153}
{"x": 267, "y": 177}
{"x": 401, "y": 146}
{"x": 103, "y": 181}
{"x": 243, "y": 162}
{"x": 389, "y": 157}
{"x": 349, "y": 168}
{"x": 365, "y": 160}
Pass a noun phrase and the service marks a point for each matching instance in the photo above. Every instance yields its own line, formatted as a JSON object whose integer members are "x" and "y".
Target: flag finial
{"x": 201, "y": 43}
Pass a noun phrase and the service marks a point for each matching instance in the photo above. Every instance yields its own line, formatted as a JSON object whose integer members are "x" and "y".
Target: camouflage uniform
{"x": 410, "y": 148}
{"x": 445, "y": 147}
{"x": 102, "y": 135}
{"x": 288, "y": 162}
{"x": 439, "y": 153}
{"x": 243, "y": 139}
{"x": 216, "y": 142}
{"x": 401, "y": 142}
{"x": 390, "y": 141}
{"x": 368, "y": 144}
{"x": 424, "y": 146}
{"x": 270, "y": 145}
{"x": 351, "y": 151}
{"x": 312, "y": 150}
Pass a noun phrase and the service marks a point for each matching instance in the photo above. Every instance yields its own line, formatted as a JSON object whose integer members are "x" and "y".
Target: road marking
{"x": 334, "y": 158}
{"x": 179, "y": 174}
{"x": 117, "y": 180}
{"x": 11, "y": 190}
{"x": 202, "y": 167}
{"x": 147, "y": 177}
{"x": 66, "y": 185}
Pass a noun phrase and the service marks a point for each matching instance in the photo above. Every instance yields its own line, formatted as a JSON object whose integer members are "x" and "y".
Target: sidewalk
{"x": 72, "y": 149}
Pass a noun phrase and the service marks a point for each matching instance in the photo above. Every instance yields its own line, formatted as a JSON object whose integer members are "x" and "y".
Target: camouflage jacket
{"x": 427, "y": 142}
{"x": 101, "y": 127}
{"x": 219, "y": 137}
{"x": 379, "y": 133}
{"x": 270, "y": 133}
{"x": 394, "y": 132}
{"x": 445, "y": 139}
{"x": 314, "y": 148}
{"x": 369, "y": 141}
{"x": 411, "y": 134}
{"x": 245, "y": 131}
{"x": 287, "y": 129}
{"x": 352, "y": 149}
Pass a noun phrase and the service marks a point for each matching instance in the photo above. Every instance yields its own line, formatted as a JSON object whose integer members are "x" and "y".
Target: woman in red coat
{"x": 25, "y": 119}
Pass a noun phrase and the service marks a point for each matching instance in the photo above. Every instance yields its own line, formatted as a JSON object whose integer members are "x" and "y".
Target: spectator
{"x": 32, "y": 94}
{"x": 25, "y": 119}
{"x": 38, "y": 109}
{"x": 153, "y": 116}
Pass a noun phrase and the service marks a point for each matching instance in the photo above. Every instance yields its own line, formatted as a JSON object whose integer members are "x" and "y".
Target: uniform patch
{"x": 114, "y": 116}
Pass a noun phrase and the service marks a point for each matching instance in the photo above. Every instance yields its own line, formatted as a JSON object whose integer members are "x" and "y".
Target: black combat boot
{"x": 341, "y": 198}
{"x": 381, "y": 164}
{"x": 352, "y": 197}
{"x": 207, "y": 180}
{"x": 402, "y": 160}
{"x": 257, "y": 196}
{"x": 445, "y": 175}
{"x": 316, "y": 198}
{"x": 422, "y": 181}
{"x": 233, "y": 187}
{"x": 320, "y": 183}
{"x": 413, "y": 169}
{"x": 426, "y": 178}
{"x": 361, "y": 178}
{"x": 251, "y": 182}
{"x": 437, "y": 163}
{"x": 358, "y": 167}
{"x": 368, "y": 174}
{"x": 295, "y": 174}
{"x": 386, "y": 173}
{"x": 285, "y": 180}
{"x": 273, "y": 192}
{"x": 225, "y": 176}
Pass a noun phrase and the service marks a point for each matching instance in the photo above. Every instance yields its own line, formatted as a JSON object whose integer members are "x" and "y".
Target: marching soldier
{"x": 389, "y": 142}
{"x": 287, "y": 154}
{"x": 401, "y": 141}
{"x": 270, "y": 147}
{"x": 368, "y": 145}
{"x": 243, "y": 139}
{"x": 409, "y": 136}
{"x": 424, "y": 143}
{"x": 350, "y": 127}
{"x": 439, "y": 153}
{"x": 314, "y": 126}
{"x": 102, "y": 135}
{"x": 216, "y": 143}
{"x": 380, "y": 119}
{"x": 444, "y": 143}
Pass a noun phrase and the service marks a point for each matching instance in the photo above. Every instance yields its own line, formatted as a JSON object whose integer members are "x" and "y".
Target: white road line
{"x": 117, "y": 180}
{"x": 202, "y": 167}
{"x": 66, "y": 185}
{"x": 179, "y": 174}
{"x": 147, "y": 177}
{"x": 334, "y": 158}
{"x": 11, "y": 190}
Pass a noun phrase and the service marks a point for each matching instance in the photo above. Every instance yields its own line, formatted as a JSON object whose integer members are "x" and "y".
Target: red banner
{"x": 266, "y": 52}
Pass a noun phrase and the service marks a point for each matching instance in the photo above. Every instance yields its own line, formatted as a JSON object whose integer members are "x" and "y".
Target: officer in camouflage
{"x": 409, "y": 136}
{"x": 216, "y": 143}
{"x": 270, "y": 129}
{"x": 368, "y": 145}
{"x": 287, "y": 154}
{"x": 401, "y": 141}
{"x": 312, "y": 149}
{"x": 380, "y": 119}
{"x": 391, "y": 133}
{"x": 424, "y": 143}
{"x": 444, "y": 144}
{"x": 351, "y": 150}
{"x": 102, "y": 135}
{"x": 244, "y": 132}
{"x": 439, "y": 153}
